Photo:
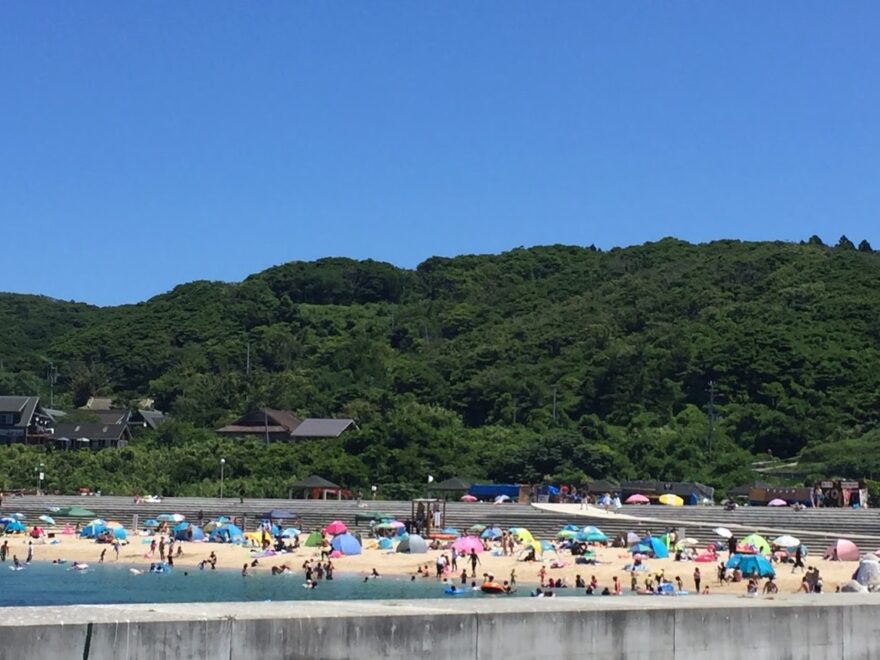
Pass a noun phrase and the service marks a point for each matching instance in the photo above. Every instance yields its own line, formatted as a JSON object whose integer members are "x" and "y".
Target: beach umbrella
{"x": 522, "y": 535}
{"x": 7, "y": 519}
{"x": 99, "y": 522}
{"x": 20, "y": 516}
{"x": 113, "y": 524}
{"x": 463, "y": 545}
{"x": 843, "y": 550}
{"x": 640, "y": 549}
{"x": 637, "y": 499}
{"x": 468, "y": 498}
{"x": 491, "y": 533}
{"x": 49, "y": 520}
{"x": 786, "y": 541}
{"x": 671, "y": 500}
{"x": 758, "y": 542}
{"x": 566, "y": 534}
{"x": 151, "y": 522}
{"x": 723, "y": 532}
{"x": 502, "y": 498}
{"x": 53, "y": 509}
{"x": 393, "y": 525}
{"x": 337, "y": 527}
{"x": 632, "y": 537}
{"x": 593, "y": 537}
{"x": 476, "y": 529}
{"x": 290, "y": 532}
{"x": 688, "y": 541}
{"x": 75, "y": 512}
{"x": 777, "y": 502}
{"x": 171, "y": 517}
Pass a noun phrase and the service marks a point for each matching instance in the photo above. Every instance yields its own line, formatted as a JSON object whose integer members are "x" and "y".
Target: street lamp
{"x": 222, "y": 465}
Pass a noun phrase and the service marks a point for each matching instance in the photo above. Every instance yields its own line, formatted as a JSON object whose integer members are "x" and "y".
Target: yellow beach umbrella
{"x": 671, "y": 500}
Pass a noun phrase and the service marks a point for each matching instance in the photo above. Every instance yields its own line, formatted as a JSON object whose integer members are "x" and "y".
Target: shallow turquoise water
{"x": 52, "y": 584}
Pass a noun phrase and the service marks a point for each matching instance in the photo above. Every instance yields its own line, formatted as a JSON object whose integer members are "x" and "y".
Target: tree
{"x": 815, "y": 240}
{"x": 845, "y": 244}
{"x": 864, "y": 246}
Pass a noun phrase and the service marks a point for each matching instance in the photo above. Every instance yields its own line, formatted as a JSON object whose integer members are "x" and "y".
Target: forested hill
{"x": 453, "y": 366}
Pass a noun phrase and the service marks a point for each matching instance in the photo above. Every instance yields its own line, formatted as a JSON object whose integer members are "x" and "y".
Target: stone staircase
{"x": 817, "y": 528}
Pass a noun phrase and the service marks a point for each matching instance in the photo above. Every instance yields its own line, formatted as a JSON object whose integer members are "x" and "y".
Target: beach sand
{"x": 612, "y": 561}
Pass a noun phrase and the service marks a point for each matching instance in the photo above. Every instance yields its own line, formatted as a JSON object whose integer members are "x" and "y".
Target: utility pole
{"x": 711, "y": 417}
{"x": 222, "y": 465}
{"x": 52, "y": 377}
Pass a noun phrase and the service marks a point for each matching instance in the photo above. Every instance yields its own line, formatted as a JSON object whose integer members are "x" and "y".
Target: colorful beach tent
{"x": 842, "y": 550}
{"x": 92, "y": 531}
{"x": 414, "y": 544}
{"x": 868, "y": 573}
{"x": 592, "y": 537}
{"x": 346, "y": 544}
{"x": 14, "y": 527}
{"x": 385, "y": 544}
{"x": 751, "y": 565}
{"x": 119, "y": 533}
{"x": 465, "y": 544}
{"x": 314, "y": 540}
{"x": 758, "y": 542}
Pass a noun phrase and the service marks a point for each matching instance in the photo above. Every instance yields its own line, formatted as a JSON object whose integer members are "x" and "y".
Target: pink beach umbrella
{"x": 464, "y": 544}
{"x": 337, "y": 527}
{"x": 468, "y": 498}
{"x": 777, "y": 502}
{"x": 637, "y": 499}
{"x": 843, "y": 550}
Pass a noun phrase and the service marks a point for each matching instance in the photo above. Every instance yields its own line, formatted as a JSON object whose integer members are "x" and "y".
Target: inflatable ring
{"x": 492, "y": 588}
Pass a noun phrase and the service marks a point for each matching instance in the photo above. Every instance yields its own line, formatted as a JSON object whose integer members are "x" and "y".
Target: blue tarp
{"x": 750, "y": 564}
{"x": 346, "y": 544}
{"x": 491, "y": 491}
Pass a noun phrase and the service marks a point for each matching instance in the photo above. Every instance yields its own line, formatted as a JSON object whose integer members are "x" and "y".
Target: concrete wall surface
{"x": 824, "y": 627}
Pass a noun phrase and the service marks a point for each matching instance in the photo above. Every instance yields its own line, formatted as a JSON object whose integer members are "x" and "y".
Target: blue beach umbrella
{"x": 151, "y": 522}
{"x": 491, "y": 533}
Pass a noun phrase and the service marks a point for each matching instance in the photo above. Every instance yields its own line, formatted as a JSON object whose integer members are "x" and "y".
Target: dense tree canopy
{"x": 558, "y": 361}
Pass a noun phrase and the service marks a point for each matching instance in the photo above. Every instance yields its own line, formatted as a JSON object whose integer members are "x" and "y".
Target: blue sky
{"x": 147, "y": 144}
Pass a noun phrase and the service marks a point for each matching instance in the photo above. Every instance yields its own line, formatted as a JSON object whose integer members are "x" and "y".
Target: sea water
{"x": 57, "y": 584}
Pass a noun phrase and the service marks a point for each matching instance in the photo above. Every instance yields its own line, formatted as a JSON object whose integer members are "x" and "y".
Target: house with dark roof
{"x": 284, "y": 425}
{"x": 90, "y": 435}
{"x": 23, "y": 421}
{"x": 141, "y": 417}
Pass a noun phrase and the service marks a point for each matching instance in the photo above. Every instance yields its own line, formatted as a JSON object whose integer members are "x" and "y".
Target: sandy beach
{"x": 611, "y": 563}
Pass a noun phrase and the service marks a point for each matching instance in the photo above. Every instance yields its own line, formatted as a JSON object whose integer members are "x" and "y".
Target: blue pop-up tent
{"x": 227, "y": 533}
{"x": 92, "y": 531}
{"x": 385, "y": 544}
{"x": 14, "y": 527}
{"x": 188, "y": 532}
{"x": 751, "y": 565}
{"x": 657, "y": 547}
{"x": 346, "y": 544}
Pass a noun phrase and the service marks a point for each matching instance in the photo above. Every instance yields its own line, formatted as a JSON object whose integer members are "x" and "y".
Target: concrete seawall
{"x": 717, "y": 627}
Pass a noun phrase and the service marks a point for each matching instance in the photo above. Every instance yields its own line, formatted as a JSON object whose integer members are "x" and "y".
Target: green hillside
{"x": 452, "y": 367}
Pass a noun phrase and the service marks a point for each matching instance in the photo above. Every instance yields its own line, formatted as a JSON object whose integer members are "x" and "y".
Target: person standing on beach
{"x": 30, "y": 552}
{"x": 798, "y": 559}
{"x": 697, "y": 579}
{"x": 454, "y": 563}
{"x": 116, "y": 549}
{"x": 731, "y": 546}
{"x": 162, "y": 548}
{"x": 474, "y": 561}
{"x": 101, "y": 558}
{"x": 3, "y": 550}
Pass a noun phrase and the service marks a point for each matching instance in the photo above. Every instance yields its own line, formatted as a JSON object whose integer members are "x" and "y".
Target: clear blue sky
{"x": 147, "y": 144}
